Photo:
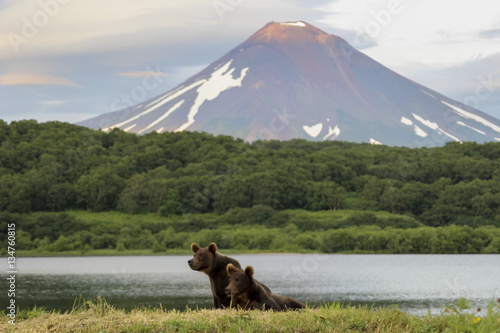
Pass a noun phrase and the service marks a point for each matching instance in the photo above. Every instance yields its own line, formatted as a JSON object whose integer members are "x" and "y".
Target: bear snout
{"x": 190, "y": 263}
{"x": 228, "y": 291}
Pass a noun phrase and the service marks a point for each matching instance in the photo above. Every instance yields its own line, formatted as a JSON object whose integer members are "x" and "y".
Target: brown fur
{"x": 209, "y": 261}
{"x": 247, "y": 294}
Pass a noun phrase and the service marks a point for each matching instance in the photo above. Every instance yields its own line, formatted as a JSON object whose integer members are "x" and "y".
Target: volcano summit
{"x": 293, "y": 80}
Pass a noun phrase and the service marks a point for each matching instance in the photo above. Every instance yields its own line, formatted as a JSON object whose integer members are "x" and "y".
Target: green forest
{"x": 69, "y": 188}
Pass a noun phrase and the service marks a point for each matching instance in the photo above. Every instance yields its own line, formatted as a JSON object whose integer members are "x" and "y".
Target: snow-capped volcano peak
{"x": 288, "y": 32}
{"x": 294, "y": 24}
{"x": 293, "y": 80}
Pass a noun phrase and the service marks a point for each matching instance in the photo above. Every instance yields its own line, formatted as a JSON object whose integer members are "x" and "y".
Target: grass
{"x": 98, "y": 316}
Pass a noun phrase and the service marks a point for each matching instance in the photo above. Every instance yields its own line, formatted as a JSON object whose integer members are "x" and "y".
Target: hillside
{"x": 207, "y": 185}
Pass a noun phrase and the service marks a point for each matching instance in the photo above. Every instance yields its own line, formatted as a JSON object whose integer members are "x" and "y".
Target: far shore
{"x": 127, "y": 253}
{"x": 230, "y": 252}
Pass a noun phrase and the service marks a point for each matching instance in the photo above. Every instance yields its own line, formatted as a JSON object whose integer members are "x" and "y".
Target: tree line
{"x": 58, "y": 166}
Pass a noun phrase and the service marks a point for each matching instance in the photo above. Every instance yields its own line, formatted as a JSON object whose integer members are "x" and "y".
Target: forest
{"x": 60, "y": 172}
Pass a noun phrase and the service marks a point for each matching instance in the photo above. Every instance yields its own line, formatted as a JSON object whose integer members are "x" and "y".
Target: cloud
{"x": 493, "y": 33}
{"x": 142, "y": 74}
{"x": 35, "y": 28}
{"x": 16, "y": 79}
{"x": 53, "y": 102}
{"x": 97, "y": 26}
{"x": 422, "y": 33}
{"x": 475, "y": 83}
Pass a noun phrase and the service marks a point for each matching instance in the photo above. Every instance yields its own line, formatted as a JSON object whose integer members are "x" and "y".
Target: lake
{"x": 416, "y": 283}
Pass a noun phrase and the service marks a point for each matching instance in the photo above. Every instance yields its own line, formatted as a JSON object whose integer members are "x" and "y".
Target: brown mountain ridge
{"x": 293, "y": 80}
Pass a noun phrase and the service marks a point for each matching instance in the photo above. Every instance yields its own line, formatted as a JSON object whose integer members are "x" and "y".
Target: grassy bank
{"x": 98, "y": 316}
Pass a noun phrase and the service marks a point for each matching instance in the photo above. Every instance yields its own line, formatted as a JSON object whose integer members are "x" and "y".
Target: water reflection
{"x": 414, "y": 283}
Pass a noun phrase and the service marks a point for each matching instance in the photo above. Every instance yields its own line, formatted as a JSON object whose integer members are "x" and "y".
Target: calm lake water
{"x": 416, "y": 283}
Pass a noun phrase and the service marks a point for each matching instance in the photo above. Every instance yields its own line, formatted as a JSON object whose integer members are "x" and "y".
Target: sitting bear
{"x": 212, "y": 263}
{"x": 250, "y": 295}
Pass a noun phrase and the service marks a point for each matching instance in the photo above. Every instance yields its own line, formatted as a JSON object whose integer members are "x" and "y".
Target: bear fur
{"x": 209, "y": 261}
{"x": 248, "y": 294}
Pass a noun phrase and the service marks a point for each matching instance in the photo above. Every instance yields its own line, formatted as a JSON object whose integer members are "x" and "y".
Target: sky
{"x": 71, "y": 60}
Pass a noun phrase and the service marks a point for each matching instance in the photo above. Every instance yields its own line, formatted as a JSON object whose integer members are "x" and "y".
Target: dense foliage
{"x": 257, "y": 229}
{"x": 58, "y": 166}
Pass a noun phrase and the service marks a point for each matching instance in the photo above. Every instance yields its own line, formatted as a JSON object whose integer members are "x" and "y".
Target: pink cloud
{"x": 13, "y": 79}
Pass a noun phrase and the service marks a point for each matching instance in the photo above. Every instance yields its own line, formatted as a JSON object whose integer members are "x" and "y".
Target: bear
{"x": 209, "y": 261}
{"x": 247, "y": 294}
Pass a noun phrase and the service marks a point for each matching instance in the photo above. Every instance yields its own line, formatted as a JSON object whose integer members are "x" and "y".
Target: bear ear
{"x": 212, "y": 248}
{"x": 249, "y": 271}
{"x": 194, "y": 247}
{"x": 230, "y": 269}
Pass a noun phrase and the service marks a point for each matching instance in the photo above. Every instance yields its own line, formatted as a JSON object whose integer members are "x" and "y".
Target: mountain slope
{"x": 292, "y": 80}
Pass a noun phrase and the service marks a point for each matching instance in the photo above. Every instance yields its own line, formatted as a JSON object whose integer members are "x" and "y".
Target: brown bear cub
{"x": 250, "y": 295}
{"x": 209, "y": 261}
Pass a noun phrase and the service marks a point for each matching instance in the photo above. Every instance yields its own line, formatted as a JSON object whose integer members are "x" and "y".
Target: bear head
{"x": 240, "y": 281}
{"x": 204, "y": 257}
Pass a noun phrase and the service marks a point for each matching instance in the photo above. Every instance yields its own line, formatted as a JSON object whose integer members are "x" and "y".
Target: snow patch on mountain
{"x": 472, "y": 128}
{"x": 425, "y": 92}
{"x": 165, "y": 96}
{"x": 454, "y": 138}
{"x": 220, "y": 80}
{"x": 129, "y": 128}
{"x": 332, "y": 131}
{"x": 314, "y": 130}
{"x": 428, "y": 123}
{"x": 164, "y": 116}
{"x": 473, "y": 116}
{"x": 375, "y": 142}
{"x": 406, "y": 121}
{"x": 295, "y": 24}
{"x": 167, "y": 99}
{"x": 420, "y": 132}
{"x": 434, "y": 126}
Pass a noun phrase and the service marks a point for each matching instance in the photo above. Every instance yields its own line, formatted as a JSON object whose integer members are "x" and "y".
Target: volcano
{"x": 293, "y": 80}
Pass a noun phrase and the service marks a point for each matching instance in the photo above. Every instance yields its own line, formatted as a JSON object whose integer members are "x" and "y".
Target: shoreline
{"x": 20, "y": 254}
